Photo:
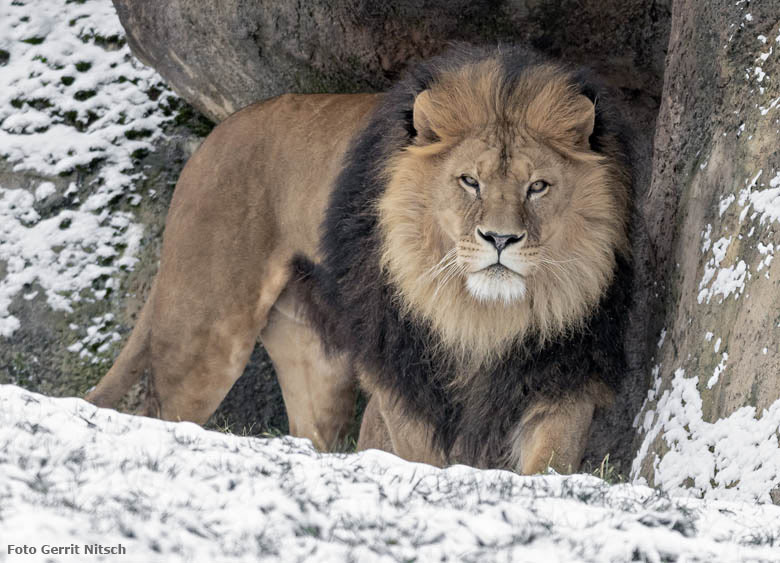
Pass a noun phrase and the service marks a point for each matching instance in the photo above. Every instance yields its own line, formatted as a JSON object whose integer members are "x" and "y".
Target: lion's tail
{"x": 131, "y": 363}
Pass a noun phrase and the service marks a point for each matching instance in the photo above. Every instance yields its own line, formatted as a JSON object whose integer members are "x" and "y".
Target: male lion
{"x": 458, "y": 244}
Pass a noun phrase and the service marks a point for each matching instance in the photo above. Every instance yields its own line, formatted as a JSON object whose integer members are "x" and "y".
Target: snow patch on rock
{"x": 767, "y": 202}
{"x": 725, "y": 203}
{"x": 737, "y": 457}
{"x": 729, "y": 280}
{"x": 718, "y": 369}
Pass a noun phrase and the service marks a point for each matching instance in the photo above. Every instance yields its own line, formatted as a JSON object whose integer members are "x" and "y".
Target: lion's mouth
{"x": 500, "y": 270}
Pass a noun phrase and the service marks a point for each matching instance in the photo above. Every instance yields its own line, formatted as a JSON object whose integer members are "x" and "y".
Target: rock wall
{"x": 711, "y": 418}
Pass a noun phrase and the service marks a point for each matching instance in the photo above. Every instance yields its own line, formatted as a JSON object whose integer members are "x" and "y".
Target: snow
{"x": 74, "y": 474}
{"x": 99, "y": 337}
{"x": 71, "y": 95}
{"x": 734, "y": 458}
{"x": 58, "y": 253}
{"x": 725, "y": 203}
{"x": 44, "y": 190}
{"x": 767, "y": 202}
{"x": 772, "y": 105}
{"x": 718, "y": 369}
{"x": 661, "y": 338}
{"x": 766, "y": 250}
{"x": 727, "y": 280}
{"x": 707, "y": 243}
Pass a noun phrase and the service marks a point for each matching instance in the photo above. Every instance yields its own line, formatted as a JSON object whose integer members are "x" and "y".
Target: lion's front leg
{"x": 374, "y": 434}
{"x": 385, "y": 427}
{"x": 552, "y": 434}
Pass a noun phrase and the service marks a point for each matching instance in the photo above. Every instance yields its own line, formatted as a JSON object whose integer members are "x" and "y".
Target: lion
{"x": 458, "y": 247}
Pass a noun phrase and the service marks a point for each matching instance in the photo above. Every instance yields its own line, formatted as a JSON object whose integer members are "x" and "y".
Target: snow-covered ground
{"x": 73, "y": 474}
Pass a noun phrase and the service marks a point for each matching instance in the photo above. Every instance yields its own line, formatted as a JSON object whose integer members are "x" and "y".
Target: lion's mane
{"x": 356, "y": 305}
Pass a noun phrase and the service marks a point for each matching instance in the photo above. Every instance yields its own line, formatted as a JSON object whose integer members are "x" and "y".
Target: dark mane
{"x": 355, "y": 307}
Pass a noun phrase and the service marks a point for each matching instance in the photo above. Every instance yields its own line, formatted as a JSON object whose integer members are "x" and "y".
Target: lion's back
{"x": 271, "y": 166}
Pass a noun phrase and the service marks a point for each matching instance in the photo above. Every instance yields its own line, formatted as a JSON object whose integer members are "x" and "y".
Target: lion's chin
{"x": 496, "y": 283}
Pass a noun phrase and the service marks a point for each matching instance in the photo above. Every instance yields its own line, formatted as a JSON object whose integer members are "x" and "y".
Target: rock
{"x": 713, "y": 210}
{"x": 224, "y": 56}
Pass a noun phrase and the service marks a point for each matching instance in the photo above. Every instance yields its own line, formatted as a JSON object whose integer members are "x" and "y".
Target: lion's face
{"x": 505, "y": 214}
{"x": 494, "y": 224}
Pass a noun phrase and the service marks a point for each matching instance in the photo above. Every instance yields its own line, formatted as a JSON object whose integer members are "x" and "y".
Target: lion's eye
{"x": 538, "y": 187}
{"x": 469, "y": 182}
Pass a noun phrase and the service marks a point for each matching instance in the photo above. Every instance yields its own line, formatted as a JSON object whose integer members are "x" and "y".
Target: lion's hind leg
{"x": 201, "y": 338}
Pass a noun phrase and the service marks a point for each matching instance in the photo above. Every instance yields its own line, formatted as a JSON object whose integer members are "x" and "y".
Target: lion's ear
{"x": 584, "y": 119}
{"x": 423, "y": 109}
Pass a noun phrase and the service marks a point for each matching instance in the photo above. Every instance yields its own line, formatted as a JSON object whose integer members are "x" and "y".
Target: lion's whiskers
{"x": 450, "y": 269}
{"x": 554, "y": 266}
{"x": 546, "y": 267}
{"x": 442, "y": 264}
{"x": 454, "y": 269}
{"x": 557, "y": 262}
{"x": 459, "y": 269}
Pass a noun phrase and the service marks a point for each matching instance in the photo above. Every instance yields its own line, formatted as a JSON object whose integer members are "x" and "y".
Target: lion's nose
{"x": 500, "y": 241}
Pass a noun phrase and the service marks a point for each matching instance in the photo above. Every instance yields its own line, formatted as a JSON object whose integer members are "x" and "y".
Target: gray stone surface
{"x": 716, "y": 143}
{"x": 223, "y": 56}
